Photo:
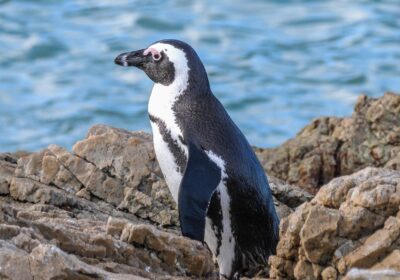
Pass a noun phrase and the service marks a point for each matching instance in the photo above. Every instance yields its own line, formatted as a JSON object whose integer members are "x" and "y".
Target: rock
{"x": 392, "y": 261}
{"x": 130, "y": 158}
{"x": 45, "y": 168}
{"x": 97, "y": 213}
{"x": 364, "y": 274}
{"x": 82, "y": 240}
{"x": 329, "y": 273}
{"x": 7, "y": 167}
{"x": 379, "y": 244}
{"x": 14, "y": 263}
{"x": 318, "y": 234}
{"x": 330, "y": 147}
{"x": 104, "y": 210}
{"x": 352, "y": 222}
{"x": 290, "y": 195}
{"x": 172, "y": 249}
{"x": 67, "y": 216}
{"x": 49, "y": 262}
{"x": 98, "y": 183}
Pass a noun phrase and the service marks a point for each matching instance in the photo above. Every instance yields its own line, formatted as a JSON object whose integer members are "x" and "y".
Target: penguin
{"x": 222, "y": 192}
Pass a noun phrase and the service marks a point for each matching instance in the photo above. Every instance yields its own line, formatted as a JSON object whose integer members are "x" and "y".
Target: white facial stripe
{"x": 123, "y": 59}
{"x": 178, "y": 58}
{"x": 161, "y": 102}
{"x": 163, "y": 98}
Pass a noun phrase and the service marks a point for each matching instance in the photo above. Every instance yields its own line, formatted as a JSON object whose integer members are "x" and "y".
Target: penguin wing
{"x": 199, "y": 182}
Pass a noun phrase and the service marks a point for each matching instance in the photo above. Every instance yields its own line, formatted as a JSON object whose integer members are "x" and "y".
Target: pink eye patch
{"x": 154, "y": 53}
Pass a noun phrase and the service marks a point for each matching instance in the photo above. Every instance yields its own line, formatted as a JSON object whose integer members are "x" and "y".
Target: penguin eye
{"x": 156, "y": 56}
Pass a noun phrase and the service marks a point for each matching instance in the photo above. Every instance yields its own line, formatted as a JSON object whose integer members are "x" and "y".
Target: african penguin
{"x": 221, "y": 189}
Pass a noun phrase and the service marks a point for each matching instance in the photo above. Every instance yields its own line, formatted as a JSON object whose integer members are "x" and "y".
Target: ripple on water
{"x": 275, "y": 65}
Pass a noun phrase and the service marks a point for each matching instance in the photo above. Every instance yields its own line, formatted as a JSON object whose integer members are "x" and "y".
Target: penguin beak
{"x": 135, "y": 58}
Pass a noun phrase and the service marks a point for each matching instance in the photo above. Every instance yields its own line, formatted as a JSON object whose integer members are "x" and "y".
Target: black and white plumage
{"x": 213, "y": 174}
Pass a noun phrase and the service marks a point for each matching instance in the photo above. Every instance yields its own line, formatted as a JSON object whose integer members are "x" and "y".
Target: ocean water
{"x": 275, "y": 65}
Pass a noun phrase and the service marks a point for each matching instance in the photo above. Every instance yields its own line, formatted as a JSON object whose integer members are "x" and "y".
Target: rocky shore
{"x": 103, "y": 210}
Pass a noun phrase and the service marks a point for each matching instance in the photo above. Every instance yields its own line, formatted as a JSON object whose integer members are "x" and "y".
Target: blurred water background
{"x": 275, "y": 65}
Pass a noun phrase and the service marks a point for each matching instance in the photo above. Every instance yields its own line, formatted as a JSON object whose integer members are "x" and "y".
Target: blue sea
{"x": 275, "y": 65}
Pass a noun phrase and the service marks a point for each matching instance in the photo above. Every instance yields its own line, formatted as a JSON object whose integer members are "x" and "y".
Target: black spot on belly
{"x": 177, "y": 152}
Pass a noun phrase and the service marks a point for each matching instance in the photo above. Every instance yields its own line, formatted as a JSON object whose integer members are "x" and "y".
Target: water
{"x": 275, "y": 65}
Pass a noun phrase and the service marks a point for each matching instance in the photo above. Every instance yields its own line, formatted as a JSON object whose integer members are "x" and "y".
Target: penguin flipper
{"x": 198, "y": 184}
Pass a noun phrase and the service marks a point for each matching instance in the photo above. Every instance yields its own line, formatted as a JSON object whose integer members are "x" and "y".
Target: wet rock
{"x": 330, "y": 147}
{"x": 353, "y": 222}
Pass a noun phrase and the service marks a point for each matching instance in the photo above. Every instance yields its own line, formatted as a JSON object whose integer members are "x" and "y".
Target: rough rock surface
{"x": 365, "y": 274}
{"x": 330, "y": 147}
{"x": 48, "y": 232}
{"x": 104, "y": 211}
{"x": 101, "y": 212}
{"x": 352, "y": 222}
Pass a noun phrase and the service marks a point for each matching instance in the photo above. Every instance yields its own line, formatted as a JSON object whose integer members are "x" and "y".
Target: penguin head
{"x": 166, "y": 62}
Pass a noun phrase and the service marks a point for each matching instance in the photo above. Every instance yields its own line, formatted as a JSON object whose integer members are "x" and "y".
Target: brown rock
{"x": 358, "y": 220}
{"x": 49, "y": 262}
{"x": 345, "y": 226}
{"x": 4, "y": 187}
{"x": 280, "y": 268}
{"x": 130, "y": 158}
{"x": 45, "y": 168}
{"x": 330, "y": 147}
{"x": 28, "y": 190}
{"x": 64, "y": 209}
{"x": 173, "y": 250}
{"x": 392, "y": 261}
{"x": 7, "y": 168}
{"x": 62, "y": 236}
{"x": 291, "y": 196}
{"x": 97, "y": 182}
{"x": 364, "y": 274}
{"x": 304, "y": 270}
{"x": 14, "y": 263}
{"x": 318, "y": 234}
{"x": 289, "y": 232}
{"x": 376, "y": 246}
{"x": 329, "y": 273}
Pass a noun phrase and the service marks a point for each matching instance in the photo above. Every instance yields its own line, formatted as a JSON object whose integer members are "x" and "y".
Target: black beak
{"x": 135, "y": 58}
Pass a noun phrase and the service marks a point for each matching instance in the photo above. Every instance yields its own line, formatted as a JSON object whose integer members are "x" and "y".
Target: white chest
{"x": 160, "y": 107}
